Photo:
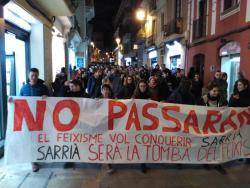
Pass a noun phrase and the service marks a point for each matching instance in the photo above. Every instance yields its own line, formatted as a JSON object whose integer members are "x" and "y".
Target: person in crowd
{"x": 117, "y": 80}
{"x": 191, "y": 73}
{"x": 213, "y": 97}
{"x": 76, "y": 90}
{"x": 107, "y": 81}
{"x": 107, "y": 93}
{"x": 35, "y": 87}
{"x": 169, "y": 79}
{"x": 222, "y": 83}
{"x": 127, "y": 89}
{"x": 141, "y": 91}
{"x": 59, "y": 81}
{"x": 197, "y": 85}
{"x": 84, "y": 79}
{"x": 94, "y": 84}
{"x": 241, "y": 94}
{"x": 182, "y": 95}
{"x": 153, "y": 87}
{"x": 179, "y": 76}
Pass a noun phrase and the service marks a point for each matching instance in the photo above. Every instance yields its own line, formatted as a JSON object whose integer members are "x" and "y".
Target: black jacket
{"x": 243, "y": 101}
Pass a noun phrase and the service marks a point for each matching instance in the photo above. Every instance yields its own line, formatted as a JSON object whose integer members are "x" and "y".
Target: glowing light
{"x": 140, "y": 14}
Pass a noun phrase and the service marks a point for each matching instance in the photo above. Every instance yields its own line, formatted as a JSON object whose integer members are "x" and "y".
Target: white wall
{"x": 37, "y": 48}
{"x": 173, "y": 50}
{"x": 47, "y": 54}
{"x": 248, "y": 11}
{"x": 41, "y": 51}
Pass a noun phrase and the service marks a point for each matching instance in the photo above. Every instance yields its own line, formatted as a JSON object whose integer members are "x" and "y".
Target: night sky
{"x": 105, "y": 11}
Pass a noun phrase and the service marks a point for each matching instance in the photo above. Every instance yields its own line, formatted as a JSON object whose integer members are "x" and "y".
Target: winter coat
{"x": 243, "y": 101}
{"x": 181, "y": 98}
{"x": 206, "y": 100}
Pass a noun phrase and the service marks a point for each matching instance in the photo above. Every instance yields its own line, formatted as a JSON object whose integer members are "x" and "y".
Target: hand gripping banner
{"x": 124, "y": 131}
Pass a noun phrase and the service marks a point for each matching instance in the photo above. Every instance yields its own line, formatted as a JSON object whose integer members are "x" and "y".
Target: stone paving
{"x": 125, "y": 176}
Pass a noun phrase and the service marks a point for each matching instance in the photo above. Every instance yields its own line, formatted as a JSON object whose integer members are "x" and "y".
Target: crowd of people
{"x": 158, "y": 84}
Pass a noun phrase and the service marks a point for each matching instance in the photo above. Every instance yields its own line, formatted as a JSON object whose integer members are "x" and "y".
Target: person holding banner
{"x": 34, "y": 87}
{"x": 142, "y": 92}
{"x": 75, "y": 90}
{"x": 240, "y": 97}
{"x": 241, "y": 94}
{"x": 107, "y": 93}
{"x": 214, "y": 99}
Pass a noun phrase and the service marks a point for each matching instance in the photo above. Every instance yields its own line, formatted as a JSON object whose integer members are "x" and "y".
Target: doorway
{"x": 198, "y": 64}
{"x": 230, "y": 63}
{"x": 15, "y": 64}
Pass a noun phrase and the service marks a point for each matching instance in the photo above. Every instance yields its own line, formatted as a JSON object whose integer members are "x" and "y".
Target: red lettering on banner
{"x": 75, "y": 110}
{"x": 209, "y": 123}
{"x": 133, "y": 118}
{"x": 112, "y": 115}
{"x": 191, "y": 121}
{"x": 170, "y": 118}
{"x": 154, "y": 119}
{"x": 22, "y": 111}
{"x": 241, "y": 118}
{"x": 206, "y": 154}
{"x": 228, "y": 121}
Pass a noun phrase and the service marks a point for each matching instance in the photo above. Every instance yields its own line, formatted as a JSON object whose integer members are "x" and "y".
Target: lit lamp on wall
{"x": 92, "y": 44}
{"x": 140, "y": 14}
{"x": 118, "y": 41}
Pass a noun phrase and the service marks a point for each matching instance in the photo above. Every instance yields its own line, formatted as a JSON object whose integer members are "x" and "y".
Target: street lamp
{"x": 141, "y": 14}
{"x": 92, "y": 44}
{"x": 118, "y": 41}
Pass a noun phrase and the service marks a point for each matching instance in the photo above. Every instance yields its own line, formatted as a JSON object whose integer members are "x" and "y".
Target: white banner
{"x": 124, "y": 131}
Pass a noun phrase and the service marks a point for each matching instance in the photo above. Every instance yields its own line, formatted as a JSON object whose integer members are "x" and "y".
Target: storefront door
{"x": 231, "y": 65}
{"x": 15, "y": 64}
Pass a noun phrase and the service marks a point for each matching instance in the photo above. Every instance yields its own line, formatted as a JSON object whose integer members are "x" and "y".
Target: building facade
{"x": 38, "y": 34}
{"x": 219, "y": 38}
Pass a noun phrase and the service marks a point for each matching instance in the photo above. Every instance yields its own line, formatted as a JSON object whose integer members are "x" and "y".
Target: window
{"x": 162, "y": 21}
{"x": 177, "y": 8}
{"x": 230, "y": 4}
{"x": 229, "y": 7}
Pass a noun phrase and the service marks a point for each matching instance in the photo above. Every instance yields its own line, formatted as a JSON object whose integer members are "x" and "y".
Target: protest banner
{"x": 124, "y": 131}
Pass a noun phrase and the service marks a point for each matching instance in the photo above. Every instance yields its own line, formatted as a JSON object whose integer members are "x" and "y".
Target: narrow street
{"x": 124, "y": 93}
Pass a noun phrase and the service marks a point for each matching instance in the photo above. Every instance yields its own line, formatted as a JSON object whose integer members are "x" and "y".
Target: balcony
{"x": 152, "y": 6}
{"x": 173, "y": 27}
{"x": 199, "y": 28}
{"x": 151, "y": 41}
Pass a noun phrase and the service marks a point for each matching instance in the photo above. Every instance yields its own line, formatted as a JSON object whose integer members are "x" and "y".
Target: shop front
{"x": 175, "y": 55}
{"x": 153, "y": 58}
{"x": 230, "y": 63}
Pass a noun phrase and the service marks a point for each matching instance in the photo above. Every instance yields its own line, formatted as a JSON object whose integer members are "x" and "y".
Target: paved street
{"x": 95, "y": 176}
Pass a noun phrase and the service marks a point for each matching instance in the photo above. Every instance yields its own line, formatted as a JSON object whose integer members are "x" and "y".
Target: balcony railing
{"x": 152, "y": 5}
{"x": 199, "y": 28}
{"x": 151, "y": 40}
{"x": 173, "y": 27}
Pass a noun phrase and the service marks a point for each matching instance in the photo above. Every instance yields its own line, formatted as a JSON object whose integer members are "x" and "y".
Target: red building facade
{"x": 219, "y": 38}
